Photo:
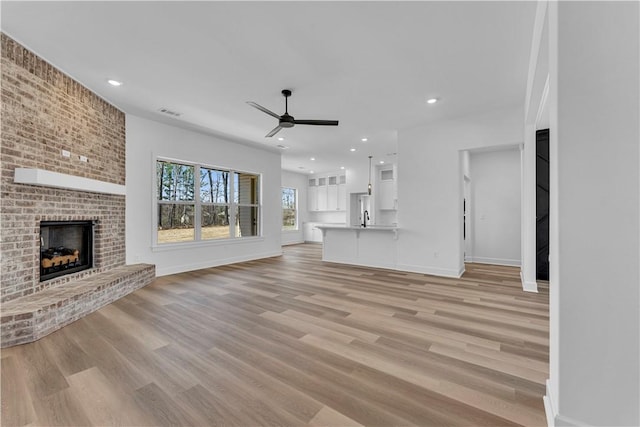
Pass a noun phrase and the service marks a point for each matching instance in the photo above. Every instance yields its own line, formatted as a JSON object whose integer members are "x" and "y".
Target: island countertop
{"x": 358, "y": 227}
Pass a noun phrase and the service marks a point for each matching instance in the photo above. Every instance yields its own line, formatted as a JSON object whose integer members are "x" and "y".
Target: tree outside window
{"x": 202, "y": 203}
{"x": 215, "y": 193}
{"x": 176, "y": 202}
{"x": 289, "y": 211}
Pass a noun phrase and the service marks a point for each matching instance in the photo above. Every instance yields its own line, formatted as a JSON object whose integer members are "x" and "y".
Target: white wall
{"x": 299, "y": 182}
{"x": 595, "y": 211}
{"x": 430, "y": 186}
{"x": 495, "y": 207}
{"x": 148, "y": 139}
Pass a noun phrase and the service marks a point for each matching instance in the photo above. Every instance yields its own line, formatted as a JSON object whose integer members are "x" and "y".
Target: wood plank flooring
{"x": 293, "y": 341}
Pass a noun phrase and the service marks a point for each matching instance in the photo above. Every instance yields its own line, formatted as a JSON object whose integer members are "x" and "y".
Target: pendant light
{"x": 369, "y": 188}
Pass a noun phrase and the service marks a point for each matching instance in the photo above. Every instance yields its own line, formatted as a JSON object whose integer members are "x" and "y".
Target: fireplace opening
{"x": 65, "y": 247}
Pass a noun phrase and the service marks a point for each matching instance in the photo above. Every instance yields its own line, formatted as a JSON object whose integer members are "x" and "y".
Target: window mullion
{"x": 197, "y": 215}
{"x": 232, "y": 204}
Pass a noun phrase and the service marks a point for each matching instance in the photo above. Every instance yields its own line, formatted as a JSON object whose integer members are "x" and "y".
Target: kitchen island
{"x": 371, "y": 246}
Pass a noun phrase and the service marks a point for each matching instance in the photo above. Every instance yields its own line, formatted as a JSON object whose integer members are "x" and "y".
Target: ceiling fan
{"x": 287, "y": 121}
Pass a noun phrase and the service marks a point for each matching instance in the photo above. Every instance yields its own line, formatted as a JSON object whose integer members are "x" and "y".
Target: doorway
{"x": 542, "y": 204}
{"x": 466, "y": 220}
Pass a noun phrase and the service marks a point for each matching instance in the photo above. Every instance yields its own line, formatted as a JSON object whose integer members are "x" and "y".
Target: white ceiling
{"x": 371, "y": 65}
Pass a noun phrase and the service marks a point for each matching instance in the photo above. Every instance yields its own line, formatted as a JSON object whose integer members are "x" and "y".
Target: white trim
{"x": 46, "y": 178}
{"x": 543, "y": 101}
{"x": 538, "y": 28}
{"x": 162, "y": 247}
{"x": 570, "y": 422}
{"x": 528, "y": 286}
{"x": 549, "y": 410}
{"x": 434, "y": 271}
{"x": 165, "y": 271}
{"x": 361, "y": 264}
{"x": 553, "y": 418}
{"x": 496, "y": 261}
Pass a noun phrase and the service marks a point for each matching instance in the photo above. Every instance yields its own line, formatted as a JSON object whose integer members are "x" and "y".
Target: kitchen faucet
{"x": 365, "y": 217}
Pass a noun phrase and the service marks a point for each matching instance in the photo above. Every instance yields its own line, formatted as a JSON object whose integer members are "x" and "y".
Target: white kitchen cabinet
{"x": 387, "y": 189}
{"x": 332, "y": 197}
{"x": 322, "y": 194}
{"x": 332, "y": 193}
{"x": 342, "y": 197}
{"x": 312, "y": 198}
{"x": 311, "y": 233}
{"x": 327, "y": 193}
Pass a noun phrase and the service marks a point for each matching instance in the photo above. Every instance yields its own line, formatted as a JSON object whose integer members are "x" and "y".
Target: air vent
{"x": 282, "y": 147}
{"x": 169, "y": 112}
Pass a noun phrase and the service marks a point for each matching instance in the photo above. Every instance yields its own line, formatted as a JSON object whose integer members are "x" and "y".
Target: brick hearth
{"x": 32, "y": 317}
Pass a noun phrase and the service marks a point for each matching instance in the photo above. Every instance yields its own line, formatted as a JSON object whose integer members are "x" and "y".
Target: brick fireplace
{"x": 51, "y": 124}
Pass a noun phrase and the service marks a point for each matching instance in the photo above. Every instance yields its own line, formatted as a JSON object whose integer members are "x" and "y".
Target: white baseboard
{"x": 528, "y": 286}
{"x": 553, "y": 418}
{"x": 569, "y": 422}
{"x": 362, "y": 264}
{"x": 496, "y": 261}
{"x": 165, "y": 271}
{"x": 434, "y": 271}
{"x": 549, "y": 410}
{"x": 293, "y": 242}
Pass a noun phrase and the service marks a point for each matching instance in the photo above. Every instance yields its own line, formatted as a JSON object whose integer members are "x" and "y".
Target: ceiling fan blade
{"x": 274, "y": 131}
{"x": 317, "y": 122}
{"x": 264, "y": 110}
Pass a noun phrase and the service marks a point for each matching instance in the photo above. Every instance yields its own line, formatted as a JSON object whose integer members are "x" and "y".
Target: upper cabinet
{"x": 387, "y": 188}
{"x": 312, "y": 195}
{"x": 342, "y": 192}
{"x": 327, "y": 192}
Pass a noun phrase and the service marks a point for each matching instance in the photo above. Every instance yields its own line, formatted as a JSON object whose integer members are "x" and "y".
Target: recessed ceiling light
{"x": 282, "y": 147}
{"x": 352, "y": 149}
{"x": 342, "y": 167}
{"x": 114, "y": 82}
{"x": 381, "y": 162}
{"x": 280, "y": 138}
{"x": 312, "y": 159}
{"x": 364, "y": 139}
{"x": 311, "y": 172}
{"x": 432, "y": 100}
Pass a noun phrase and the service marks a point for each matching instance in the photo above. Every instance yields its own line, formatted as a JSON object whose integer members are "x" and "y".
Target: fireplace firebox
{"x": 65, "y": 247}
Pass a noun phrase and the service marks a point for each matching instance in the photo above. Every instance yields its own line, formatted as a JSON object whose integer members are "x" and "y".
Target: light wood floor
{"x": 293, "y": 341}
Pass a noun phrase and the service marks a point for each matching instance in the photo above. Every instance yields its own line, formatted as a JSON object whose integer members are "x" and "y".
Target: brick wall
{"x": 43, "y": 112}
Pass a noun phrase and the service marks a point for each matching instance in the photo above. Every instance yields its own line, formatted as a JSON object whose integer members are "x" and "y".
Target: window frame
{"x": 197, "y": 203}
{"x": 295, "y": 209}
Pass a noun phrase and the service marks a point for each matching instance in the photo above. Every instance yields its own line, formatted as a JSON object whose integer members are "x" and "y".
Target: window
{"x": 199, "y": 203}
{"x": 176, "y": 202}
{"x": 215, "y": 193}
{"x": 289, "y": 211}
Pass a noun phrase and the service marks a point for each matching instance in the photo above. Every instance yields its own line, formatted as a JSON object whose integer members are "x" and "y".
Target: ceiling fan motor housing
{"x": 287, "y": 121}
